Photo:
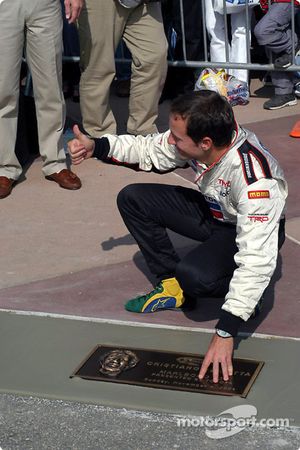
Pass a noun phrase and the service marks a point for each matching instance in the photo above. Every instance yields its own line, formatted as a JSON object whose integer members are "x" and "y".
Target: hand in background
{"x": 73, "y": 9}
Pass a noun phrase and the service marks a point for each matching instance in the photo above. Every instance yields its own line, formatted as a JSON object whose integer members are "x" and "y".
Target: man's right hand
{"x": 80, "y": 148}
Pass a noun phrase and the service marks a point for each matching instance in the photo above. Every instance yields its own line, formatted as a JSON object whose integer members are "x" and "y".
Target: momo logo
{"x": 258, "y": 194}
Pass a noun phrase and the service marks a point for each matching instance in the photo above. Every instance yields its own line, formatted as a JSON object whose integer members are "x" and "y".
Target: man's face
{"x": 185, "y": 145}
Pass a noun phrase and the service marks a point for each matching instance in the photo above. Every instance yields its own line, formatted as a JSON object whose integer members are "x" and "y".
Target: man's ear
{"x": 206, "y": 143}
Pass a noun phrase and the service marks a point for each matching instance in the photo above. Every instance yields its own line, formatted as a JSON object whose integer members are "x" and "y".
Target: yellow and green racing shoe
{"x": 166, "y": 295}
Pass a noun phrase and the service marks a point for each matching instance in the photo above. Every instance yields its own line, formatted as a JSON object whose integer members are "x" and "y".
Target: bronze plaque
{"x": 164, "y": 370}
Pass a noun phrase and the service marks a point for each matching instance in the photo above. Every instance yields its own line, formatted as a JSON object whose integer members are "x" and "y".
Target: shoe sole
{"x": 291, "y": 103}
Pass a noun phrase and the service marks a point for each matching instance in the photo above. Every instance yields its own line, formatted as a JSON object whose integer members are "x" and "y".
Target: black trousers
{"x": 182, "y": 79}
{"x": 148, "y": 210}
{"x": 193, "y": 27}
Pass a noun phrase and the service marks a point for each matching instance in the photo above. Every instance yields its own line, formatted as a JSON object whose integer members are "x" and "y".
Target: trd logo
{"x": 258, "y": 218}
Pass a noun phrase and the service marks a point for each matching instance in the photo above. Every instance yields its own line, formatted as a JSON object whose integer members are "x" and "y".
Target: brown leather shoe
{"x": 66, "y": 179}
{"x": 6, "y": 185}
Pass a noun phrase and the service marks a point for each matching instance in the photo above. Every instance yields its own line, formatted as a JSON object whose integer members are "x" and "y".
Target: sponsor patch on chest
{"x": 225, "y": 187}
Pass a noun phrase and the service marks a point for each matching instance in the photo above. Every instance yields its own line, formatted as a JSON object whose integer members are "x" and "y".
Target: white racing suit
{"x": 246, "y": 188}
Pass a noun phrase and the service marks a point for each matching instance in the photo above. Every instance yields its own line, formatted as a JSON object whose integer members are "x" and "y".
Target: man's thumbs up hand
{"x": 80, "y": 148}
{"x": 77, "y": 132}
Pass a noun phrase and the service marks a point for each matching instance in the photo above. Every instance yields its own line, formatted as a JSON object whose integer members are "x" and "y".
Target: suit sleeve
{"x": 259, "y": 211}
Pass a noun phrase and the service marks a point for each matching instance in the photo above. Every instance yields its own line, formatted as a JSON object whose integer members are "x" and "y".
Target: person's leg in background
{"x": 274, "y": 32}
{"x": 182, "y": 79}
{"x": 239, "y": 43}
{"x": 216, "y": 33}
{"x": 11, "y": 48}
{"x": 44, "y": 57}
{"x": 145, "y": 38}
{"x": 237, "y": 48}
{"x": 71, "y": 71}
{"x": 123, "y": 70}
{"x": 167, "y": 15}
{"x": 100, "y": 26}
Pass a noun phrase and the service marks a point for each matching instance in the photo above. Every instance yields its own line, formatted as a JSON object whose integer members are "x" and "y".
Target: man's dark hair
{"x": 207, "y": 114}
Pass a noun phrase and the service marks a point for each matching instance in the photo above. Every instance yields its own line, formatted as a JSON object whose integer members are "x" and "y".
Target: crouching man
{"x": 238, "y": 215}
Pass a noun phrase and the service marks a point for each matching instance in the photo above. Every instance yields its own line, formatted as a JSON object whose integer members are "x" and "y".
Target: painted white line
{"x": 141, "y": 324}
{"x": 292, "y": 239}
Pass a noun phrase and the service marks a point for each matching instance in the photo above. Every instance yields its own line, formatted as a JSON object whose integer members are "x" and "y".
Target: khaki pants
{"x": 101, "y": 26}
{"x": 38, "y": 24}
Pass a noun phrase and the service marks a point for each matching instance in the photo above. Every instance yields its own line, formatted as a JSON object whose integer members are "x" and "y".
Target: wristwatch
{"x": 223, "y": 334}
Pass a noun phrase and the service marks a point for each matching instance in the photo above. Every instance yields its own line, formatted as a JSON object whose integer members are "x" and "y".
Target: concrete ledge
{"x": 41, "y": 353}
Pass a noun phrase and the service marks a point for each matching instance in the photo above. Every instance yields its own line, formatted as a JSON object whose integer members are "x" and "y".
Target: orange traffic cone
{"x": 295, "y": 132}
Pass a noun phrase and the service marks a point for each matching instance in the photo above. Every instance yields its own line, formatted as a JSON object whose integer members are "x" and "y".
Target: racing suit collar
{"x": 239, "y": 135}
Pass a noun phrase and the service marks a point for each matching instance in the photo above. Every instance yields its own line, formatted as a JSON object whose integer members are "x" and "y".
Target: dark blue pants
{"x": 148, "y": 210}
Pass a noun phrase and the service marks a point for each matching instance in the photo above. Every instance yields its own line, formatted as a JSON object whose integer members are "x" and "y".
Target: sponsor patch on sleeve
{"x": 258, "y": 194}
